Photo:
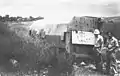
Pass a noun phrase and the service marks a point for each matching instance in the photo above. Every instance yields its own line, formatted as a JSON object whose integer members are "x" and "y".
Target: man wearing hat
{"x": 99, "y": 42}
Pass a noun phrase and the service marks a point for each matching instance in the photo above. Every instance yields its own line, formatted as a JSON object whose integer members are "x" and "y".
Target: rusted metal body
{"x": 81, "y": 50}
{"x": 112, "y": 24}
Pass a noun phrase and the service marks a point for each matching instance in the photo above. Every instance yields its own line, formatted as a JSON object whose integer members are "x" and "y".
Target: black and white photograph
{"x": 59, "y": 37}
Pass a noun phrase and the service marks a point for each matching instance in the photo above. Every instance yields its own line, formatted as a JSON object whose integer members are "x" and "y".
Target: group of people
{"x": 7, "y": 18}
{"x": 110, "y": 42}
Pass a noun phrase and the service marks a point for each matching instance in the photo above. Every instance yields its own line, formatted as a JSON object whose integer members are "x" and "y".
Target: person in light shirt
{"x": 99, "y": 41}
{"x": 112, "y": 44}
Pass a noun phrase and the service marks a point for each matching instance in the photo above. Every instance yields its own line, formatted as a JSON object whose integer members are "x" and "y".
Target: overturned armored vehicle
{"x": 80, "y": 39}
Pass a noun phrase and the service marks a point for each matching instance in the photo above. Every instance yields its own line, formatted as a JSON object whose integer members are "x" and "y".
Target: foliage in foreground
{"x": 33, "y": 47}
{"x": 86, "y": 72}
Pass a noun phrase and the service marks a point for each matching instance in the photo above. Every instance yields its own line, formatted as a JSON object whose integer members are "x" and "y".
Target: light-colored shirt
{"x": 99, "y": 41}
{"x": 113, "y": 42}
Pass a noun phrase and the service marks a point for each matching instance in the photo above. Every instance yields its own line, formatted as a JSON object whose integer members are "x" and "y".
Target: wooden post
{"x": 67, "y": 42}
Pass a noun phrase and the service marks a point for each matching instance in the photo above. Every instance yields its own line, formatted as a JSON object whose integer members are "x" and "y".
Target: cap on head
{"x": 96, "y": 31}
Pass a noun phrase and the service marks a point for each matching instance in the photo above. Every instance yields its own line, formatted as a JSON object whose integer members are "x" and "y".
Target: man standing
{"x": 97, "y": 49}
{"x": 112, "y": 45}
{"x": 99, "y": 42}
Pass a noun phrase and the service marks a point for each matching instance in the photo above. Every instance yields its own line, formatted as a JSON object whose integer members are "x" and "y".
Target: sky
{"x": 59, "y": 11}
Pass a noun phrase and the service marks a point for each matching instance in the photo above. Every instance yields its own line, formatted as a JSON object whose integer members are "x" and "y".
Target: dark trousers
{"x": 110, "y": 60}
{"x": 98, "y": 58}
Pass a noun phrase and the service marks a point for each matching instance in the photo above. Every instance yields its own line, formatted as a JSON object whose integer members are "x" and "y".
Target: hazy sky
{"x": 59, "y": 11}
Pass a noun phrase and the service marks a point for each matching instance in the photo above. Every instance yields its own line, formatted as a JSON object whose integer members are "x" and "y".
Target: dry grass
{"x": 86, "y": 72}
{"x": 79, "y": 72}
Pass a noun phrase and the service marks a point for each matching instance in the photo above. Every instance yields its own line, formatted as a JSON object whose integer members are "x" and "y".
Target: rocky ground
{"x": 81, "y": 71}
{"x": 86, "y": 72}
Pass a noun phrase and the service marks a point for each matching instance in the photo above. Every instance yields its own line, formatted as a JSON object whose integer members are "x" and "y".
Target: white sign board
{"x": 82, "y": 37}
